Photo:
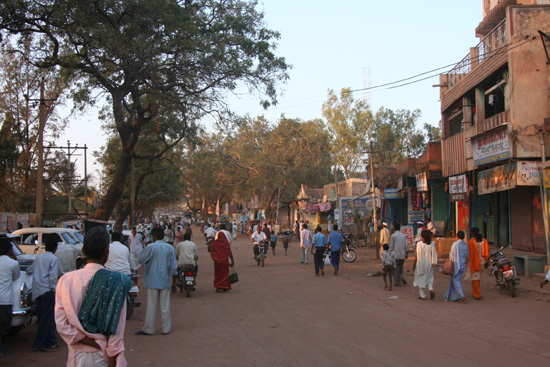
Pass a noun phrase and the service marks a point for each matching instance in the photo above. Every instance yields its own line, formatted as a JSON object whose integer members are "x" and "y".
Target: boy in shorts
{"x": 273, "y": 241}
{"x": 388, "y": 264}
{"x": 286, "y": 240}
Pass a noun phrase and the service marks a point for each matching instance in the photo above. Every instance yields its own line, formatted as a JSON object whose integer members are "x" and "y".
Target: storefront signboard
{"x": 390, "y": 194}
{"x": 458, "y": 188}
{"x": 408, "y": 231}
{"x": 528, "y": 173}
{"x": 546, "y": 178}
{"x": 500, "y": 178}
{"x": 491, "y": 147}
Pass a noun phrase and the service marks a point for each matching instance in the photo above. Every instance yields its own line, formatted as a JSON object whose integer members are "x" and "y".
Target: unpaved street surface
{"x": 281, "y": 315}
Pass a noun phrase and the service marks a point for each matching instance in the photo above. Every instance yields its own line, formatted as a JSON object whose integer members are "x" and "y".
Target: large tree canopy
{"x": 161, "y": 63}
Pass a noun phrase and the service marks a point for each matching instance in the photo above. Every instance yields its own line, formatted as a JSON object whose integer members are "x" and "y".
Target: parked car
{"x": 23, "y": 308}
{"x": 30, "y": 239}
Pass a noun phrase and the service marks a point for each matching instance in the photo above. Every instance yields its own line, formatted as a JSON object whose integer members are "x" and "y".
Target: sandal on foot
{"x": 432, "y": 294}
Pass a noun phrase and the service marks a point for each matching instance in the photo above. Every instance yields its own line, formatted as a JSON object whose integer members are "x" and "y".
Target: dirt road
{"x": 281, "y": 315}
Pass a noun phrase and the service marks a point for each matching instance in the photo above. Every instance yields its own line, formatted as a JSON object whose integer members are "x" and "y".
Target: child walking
{"x": 388, "y": 264}
{"x": 273, "y": 241}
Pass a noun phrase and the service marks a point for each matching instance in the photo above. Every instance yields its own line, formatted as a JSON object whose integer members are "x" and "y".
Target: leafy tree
{"x": 20, "y": 84}
{"x": 160, "y": 63}
{"x": 396, "y": 137}
{"x": 350, "y": 124}
{"x": 433, "y": 133}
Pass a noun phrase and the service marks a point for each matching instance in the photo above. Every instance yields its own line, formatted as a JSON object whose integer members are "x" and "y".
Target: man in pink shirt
{"x": 86, "y": 347}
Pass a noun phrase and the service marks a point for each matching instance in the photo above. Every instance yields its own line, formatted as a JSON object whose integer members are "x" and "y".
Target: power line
{"x": 390, "y": 85}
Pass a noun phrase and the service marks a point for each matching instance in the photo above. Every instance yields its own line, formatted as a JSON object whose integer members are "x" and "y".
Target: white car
{"x": 23, "y": 308}
{"x": 30, "y": 239}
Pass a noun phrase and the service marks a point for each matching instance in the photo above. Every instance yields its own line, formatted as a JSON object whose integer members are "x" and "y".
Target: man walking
{"x": 44, "y": 270}
{"x": 319, "y": 242}
{"x": 76, "y": 297}
{"x": 160, "y": 264}
{"x": 398, "y": 245}
{"x": 384, "y": 238}
{"x": 9, "y": 272}
{"x": 335, "y": 243}
{"x": 305, "y": 244}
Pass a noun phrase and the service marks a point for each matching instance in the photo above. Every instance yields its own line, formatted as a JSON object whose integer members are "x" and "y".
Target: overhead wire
{"x": 391, "y": 85}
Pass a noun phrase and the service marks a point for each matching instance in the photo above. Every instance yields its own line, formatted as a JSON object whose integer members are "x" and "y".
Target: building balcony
{"x": 493, "y": 121}
{"x": 489, "y": 46}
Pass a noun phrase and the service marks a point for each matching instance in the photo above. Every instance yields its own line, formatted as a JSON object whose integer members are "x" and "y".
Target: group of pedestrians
{"x": 468, "y": 261}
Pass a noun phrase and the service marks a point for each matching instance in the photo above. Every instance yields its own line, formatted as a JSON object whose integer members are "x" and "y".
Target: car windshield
{"x": 67, "y": 238}
{"x": 16, "y": 250}
{"x": 79, "y": 237}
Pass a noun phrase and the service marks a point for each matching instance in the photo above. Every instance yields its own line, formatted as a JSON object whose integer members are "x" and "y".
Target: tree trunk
{"x": 129, "y": 136}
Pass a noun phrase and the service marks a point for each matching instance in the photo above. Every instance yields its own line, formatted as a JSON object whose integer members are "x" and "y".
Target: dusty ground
{"x": 283, "y": 315}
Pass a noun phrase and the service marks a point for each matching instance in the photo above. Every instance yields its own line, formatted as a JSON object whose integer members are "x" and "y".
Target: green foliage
{"x": 160, "y": 63}
{"x": 395, "y": 136}
{"x": 350, "y": 124}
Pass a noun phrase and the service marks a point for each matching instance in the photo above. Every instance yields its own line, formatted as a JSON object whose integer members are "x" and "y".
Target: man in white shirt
{"x": 9, "y": 272}
{"x": 66, "y": 255}
{"x": 258, "y": 236}
{"x": 119, "y": 255}
{"x": 210, "y": 232}
{"x": 187, "y": 252}
{"x": 399, "y": 246}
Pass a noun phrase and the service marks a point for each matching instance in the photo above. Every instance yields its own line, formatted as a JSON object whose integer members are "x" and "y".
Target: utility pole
{"x": 133, "y": 195}
{"x": 40, "y": 146}
{"x": 372, "y": 182}
{"x": 336, "y": 196}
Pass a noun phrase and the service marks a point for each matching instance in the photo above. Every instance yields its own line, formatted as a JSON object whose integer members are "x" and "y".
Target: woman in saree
{"x": 426, "y": 257}
{"x": 459, "y": 256}
{"x": 220, "y": 252}
{"x": 479, "y": 255}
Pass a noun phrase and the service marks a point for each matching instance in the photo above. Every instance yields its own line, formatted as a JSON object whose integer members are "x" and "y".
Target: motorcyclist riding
{"x": 258, "y": 236}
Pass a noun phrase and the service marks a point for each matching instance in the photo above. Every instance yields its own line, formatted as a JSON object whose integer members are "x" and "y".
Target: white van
{"x": 30, "y": 239}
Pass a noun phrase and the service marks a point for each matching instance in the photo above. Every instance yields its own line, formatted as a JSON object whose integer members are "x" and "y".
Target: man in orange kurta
{"x": 475, "y": 261}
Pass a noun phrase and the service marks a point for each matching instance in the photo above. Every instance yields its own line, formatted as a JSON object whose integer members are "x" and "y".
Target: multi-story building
{"x": 495, "y": 120}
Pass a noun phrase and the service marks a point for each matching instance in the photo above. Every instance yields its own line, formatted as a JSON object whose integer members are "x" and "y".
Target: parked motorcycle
{"x": 503, "y": 271}
{"x": 262, "y": 252}
{"x": 133, "y": 300}
{"x": 350, "y": 239}
{"x": 348, "y": 254}
{"x": 186, "y": 279}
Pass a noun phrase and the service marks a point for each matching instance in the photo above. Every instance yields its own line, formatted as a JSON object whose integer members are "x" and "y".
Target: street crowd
{"x": 87, "y": 306}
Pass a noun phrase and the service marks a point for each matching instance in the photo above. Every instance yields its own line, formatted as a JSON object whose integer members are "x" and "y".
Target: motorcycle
{"x": 262, "y": 252}
{"x": 503, "y": 271}
{"x": 348, "y": 254}
{"x": 187, "y": 279}
{"x": 133, "y": 300}
{"x": 350, "y": 239}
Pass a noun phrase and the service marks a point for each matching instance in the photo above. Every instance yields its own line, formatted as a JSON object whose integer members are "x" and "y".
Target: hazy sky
{"x": 331, "y": 44}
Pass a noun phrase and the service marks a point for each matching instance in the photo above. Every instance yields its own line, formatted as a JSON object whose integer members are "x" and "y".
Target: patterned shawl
{"x": 103, "y": 301}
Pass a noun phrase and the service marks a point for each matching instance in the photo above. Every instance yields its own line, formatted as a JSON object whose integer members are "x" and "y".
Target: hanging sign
{"x": 500, "y": 178}
{"x": 422, "y": 182}
{"x": 414, "y": 210}
{"x": 458, "y": 188}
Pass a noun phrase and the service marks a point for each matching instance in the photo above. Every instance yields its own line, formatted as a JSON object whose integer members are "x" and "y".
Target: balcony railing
{"x": 489, "y": 46}
{"x": 493, "y": 121}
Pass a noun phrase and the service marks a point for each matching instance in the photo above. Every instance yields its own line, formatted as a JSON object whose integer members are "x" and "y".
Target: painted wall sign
{"x": 528, "y": 173}
{"x": 390, "y": 194}
{"x": 458, "y": 188}
{"x": 408, "y": 231}
{"x": 500, "y": 178}
{"x": 422, "y": 182}
{"x": 491, "y": 147}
